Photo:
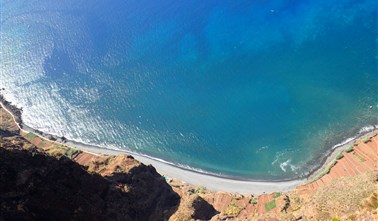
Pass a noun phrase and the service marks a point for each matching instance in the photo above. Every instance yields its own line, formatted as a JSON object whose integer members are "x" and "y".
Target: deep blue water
{"x": 256, "y": 89}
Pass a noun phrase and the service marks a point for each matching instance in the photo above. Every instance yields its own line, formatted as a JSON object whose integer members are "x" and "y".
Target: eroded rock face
{"x": 151, "y": 197}
{"x": 34, "y": 186}
{"x": 39, "y": 182}
{"x": 202, "y": 209}
{"x": 193, "y": 207}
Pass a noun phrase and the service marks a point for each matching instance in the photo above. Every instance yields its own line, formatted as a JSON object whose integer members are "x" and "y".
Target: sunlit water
{"x": 255, "y": 89}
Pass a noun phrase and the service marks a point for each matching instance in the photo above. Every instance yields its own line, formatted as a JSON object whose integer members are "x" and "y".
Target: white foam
{"x": 287, "y": 164}
{"x": 363, "y": 130}
{"x": 367, "y": 129}
{"x": 284, "y": 165}
{"x": 344, "y": 142}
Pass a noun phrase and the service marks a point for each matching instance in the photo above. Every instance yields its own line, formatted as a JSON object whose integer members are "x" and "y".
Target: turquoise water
{"x": 253, "y": 89}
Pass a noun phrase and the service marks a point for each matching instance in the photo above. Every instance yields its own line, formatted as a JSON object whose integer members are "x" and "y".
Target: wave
{"x": 361, "y": 132}
{"x": 284, "y": 161}
{"x": 344, "y": 142}
{"x": 286, "y": 164}
{"x": 367, "y": 129}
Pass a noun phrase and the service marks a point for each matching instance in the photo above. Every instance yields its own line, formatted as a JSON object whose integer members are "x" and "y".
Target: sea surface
{"x": 249, "y": 89}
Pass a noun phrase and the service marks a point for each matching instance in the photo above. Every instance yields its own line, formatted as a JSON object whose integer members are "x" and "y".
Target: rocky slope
{"x": 45, "y": 180}
{"x": 36, "y": 186}
{"x": 42, "y": 179}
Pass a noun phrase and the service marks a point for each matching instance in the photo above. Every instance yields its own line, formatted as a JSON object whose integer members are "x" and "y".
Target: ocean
{"x": 246, "y": 89}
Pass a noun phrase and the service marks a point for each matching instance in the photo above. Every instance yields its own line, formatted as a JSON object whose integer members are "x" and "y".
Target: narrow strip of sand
{"x": 192, "y": 177}
{"x": 213, "y": 183}
{"x": 225, "y": 184}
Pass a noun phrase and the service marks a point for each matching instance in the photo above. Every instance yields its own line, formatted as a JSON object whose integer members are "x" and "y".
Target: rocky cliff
{"x": 45, "y": 180}
{"x": 36, "y": 186}
{"x": 42, "y": 179}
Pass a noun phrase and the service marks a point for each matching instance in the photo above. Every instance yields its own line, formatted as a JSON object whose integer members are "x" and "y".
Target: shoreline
{"x": 211, "y": 181}
{"x": 336, "y": 149}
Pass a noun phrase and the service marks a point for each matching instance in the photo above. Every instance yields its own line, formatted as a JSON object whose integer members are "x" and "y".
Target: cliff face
{"x": 35, "y": 186}
{"x": 46, "y": 180}
{"x": 41, "y": 179}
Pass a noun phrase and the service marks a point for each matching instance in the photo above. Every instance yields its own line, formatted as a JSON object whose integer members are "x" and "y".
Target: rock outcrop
{"x": 36, "y": 186}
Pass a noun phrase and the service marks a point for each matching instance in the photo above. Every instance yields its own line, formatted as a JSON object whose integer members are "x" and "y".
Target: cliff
{"x": 36, "y": 186}
{"x": 42, "y": 179}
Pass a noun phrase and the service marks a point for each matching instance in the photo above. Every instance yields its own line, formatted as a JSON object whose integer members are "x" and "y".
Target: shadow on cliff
{"x": 34, "y": 186}
{"x": 150, "y": 196}
{"x": 7, "y": 133}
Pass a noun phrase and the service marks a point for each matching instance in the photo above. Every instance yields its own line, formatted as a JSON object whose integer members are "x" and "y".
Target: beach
{"x": 191, "y": 90}
{"x": 211, "y": 182}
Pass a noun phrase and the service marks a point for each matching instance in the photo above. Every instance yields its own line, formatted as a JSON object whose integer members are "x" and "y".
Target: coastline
{"x": 332, "y": 153}
{"x": 186, "y": 175}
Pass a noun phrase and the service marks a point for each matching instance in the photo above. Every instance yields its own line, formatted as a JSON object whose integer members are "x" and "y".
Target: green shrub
{"x": 336, "y": 218}
{"x": 74, "y": 152}
{"x": 320, "y": 175}
{"x": 339, "y": 156}
{"x": 332, "y": 164}
{"x": 253, "y": 201}
{"x": 240, "y": 197}
{"x": 201, "y": 190}
{"x": 278, "y": 194}
{"x": 71, "y": 152}
{"x": 233, "y": 209}
{"x": 366, "y": 139}
{"x": 270, "y": 205}
{"x": 349, "y": 149}
{"x": 327, "y": 169}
